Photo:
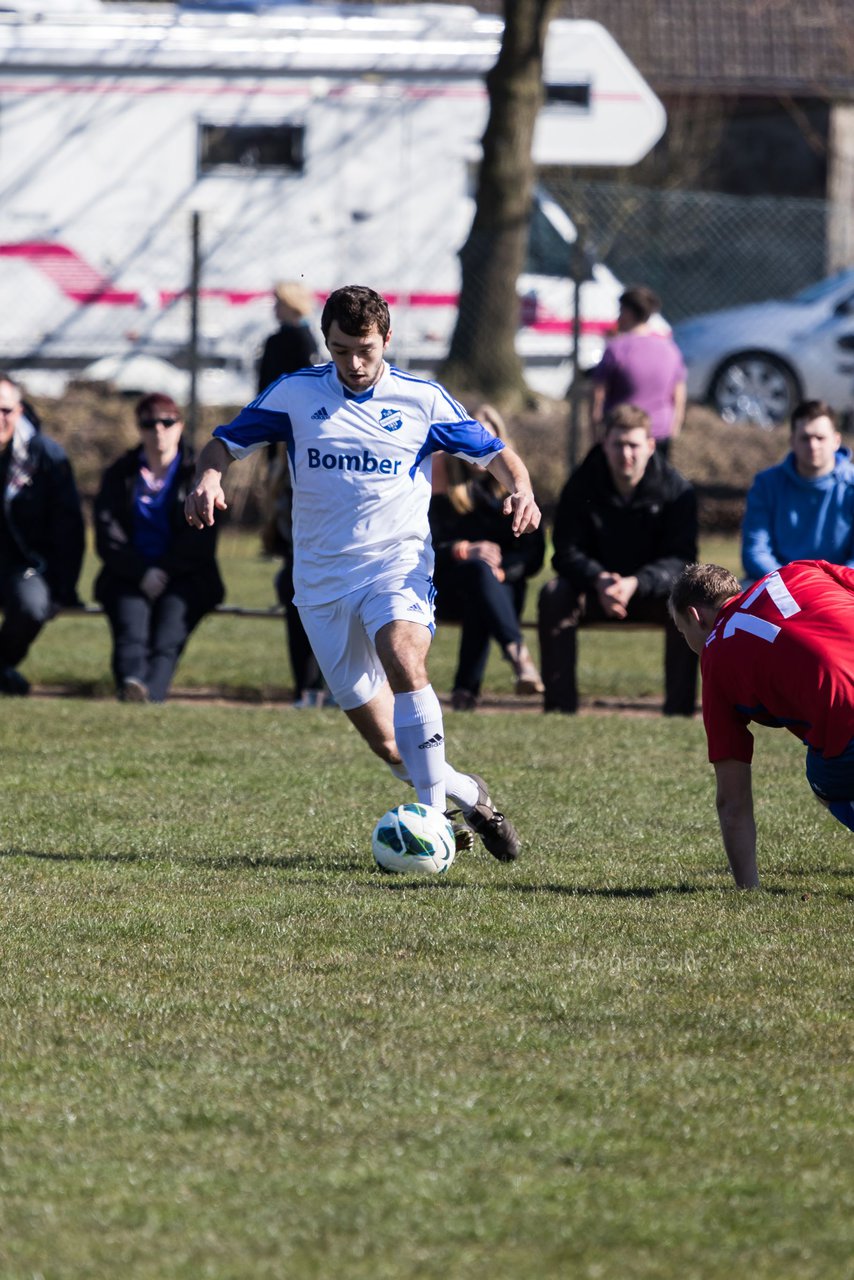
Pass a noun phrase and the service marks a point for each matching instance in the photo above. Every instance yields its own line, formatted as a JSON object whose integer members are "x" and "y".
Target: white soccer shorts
{"x": 342, "y": 633}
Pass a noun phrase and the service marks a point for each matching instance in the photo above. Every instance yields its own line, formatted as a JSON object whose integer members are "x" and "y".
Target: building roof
{"x": 733, "y": 46}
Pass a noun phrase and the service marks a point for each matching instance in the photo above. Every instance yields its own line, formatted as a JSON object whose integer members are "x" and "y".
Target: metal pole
{"x": 577, "y": 274}
{"x": 193, "y": 354}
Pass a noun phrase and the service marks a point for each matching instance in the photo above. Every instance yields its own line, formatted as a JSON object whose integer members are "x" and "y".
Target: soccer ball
{"x": 414, "y": 837}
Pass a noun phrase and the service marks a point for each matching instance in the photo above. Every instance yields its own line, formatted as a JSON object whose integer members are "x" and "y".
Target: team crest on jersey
{"x": 391, "y": 419}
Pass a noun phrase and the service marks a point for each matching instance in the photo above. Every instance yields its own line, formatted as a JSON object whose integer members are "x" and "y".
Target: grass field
{"x": 229, "y": 1048}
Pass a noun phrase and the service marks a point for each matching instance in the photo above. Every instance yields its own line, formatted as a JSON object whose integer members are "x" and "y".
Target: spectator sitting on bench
{"x": 41, "y": 533}
{"x": 481, "y": 570}
{"x": 802, "y": 508}
{"x": 160, "y": 576}
{"x": 625, "y": 527}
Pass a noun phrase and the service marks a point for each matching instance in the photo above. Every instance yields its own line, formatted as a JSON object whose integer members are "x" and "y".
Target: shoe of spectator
{"x": 463, "y": 700}
{"x": 13, "y": 684}
{"x": 528, "y": 679}
{"x": 133, "y": 690}
{"x": 497, "y": 832}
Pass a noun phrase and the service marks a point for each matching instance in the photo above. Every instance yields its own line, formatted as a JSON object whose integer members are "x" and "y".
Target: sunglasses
{"x": 148, "y": 424}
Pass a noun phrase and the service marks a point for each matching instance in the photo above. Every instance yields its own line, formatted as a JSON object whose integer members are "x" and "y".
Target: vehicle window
{"x": 548, "y": 254}
{"x": 569, "y": 95}
{"x": 248, "y": 148}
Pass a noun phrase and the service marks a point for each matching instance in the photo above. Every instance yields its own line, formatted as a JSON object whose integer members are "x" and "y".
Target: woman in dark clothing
{"x": 481, "y": 570}
{"x": 160, "y": 576}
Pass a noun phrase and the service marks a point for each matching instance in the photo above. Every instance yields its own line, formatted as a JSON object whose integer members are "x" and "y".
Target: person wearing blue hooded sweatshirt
{"x": 802, "y": 508}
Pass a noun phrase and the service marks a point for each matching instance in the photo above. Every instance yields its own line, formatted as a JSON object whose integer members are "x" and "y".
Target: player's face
{"x": 691, "y": 629}
{"x": 358, "y": 358}
{"x": 10, "y": 412}
{"x": 814, "y": 445}
{"x": 628, "y": 452}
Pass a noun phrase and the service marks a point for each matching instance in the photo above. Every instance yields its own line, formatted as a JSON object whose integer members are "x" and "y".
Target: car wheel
{"x": 754, "y": 387}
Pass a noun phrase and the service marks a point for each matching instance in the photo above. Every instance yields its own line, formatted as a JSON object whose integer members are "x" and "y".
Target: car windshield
{"x": 815, "y": 292}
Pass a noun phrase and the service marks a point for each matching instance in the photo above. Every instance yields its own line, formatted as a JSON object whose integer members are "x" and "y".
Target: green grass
{"x": 229, "y": 1048}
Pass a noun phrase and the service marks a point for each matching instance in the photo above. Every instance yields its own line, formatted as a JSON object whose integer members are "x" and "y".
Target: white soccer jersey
{"x": 361, "y": 467}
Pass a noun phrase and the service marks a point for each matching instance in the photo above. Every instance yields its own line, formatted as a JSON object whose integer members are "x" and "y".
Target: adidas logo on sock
{"x": 435, "y": 741}
{"x": 320, "y": 416}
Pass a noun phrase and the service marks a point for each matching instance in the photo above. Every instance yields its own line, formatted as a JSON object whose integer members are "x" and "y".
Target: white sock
{"x": 420, "y": 736}
{"x": 461, "y": 787}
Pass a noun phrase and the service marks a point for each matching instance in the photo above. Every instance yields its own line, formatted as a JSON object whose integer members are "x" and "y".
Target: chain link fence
{"x": 699, "y": 250}
{"x": 788, "y": 331}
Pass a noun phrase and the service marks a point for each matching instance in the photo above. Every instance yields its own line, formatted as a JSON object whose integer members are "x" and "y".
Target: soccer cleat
{"x": 497, "y": 832}
{"x": 463, "y": 837}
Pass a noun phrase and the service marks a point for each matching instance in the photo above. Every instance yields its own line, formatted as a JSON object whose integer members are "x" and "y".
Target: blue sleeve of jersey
{"x": 252, "y": 429}
{"x": 466, "y": 439}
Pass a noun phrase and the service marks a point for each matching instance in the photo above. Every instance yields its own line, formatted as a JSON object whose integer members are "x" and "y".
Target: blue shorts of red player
{"x": 832, "y": 780}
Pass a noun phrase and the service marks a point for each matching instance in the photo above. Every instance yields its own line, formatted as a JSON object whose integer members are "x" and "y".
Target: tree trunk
{"x": 482, "y": 356}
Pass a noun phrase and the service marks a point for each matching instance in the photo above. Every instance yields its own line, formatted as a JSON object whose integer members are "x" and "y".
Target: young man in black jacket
{"x": 41, "y": 534}
{"x": 625, "y": 527}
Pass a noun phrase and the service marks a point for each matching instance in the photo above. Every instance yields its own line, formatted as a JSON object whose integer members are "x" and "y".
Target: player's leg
{"x": 341, "y": 636}
{"x": 843, "y": 811}
{"x": 387, "y": 698}
{"x": 402, "y": 648}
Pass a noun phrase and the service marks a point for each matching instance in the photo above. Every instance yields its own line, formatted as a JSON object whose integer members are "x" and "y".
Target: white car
{"x": 754, "y": 363}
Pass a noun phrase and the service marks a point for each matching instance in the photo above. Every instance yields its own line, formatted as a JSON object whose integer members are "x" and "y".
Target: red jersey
{"x": 782, "y": 654}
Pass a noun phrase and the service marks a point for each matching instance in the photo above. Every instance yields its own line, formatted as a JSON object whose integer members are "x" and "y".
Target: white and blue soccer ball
{"x": 416, "y": 838}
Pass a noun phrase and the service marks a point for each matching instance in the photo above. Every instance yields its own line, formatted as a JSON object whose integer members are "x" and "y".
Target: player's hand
{"x": 206, "y": 499}
{"x": 524, "y": 510}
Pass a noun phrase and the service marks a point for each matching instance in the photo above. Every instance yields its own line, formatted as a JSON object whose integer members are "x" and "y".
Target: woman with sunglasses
{"x": 160, "y": 577}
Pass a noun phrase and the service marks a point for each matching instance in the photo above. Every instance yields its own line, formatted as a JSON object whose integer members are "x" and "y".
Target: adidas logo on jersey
{"x": 321, "y": 415}
{"x": 435, "y": 741}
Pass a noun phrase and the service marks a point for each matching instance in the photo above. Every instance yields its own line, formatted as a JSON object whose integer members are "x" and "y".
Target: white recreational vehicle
{"x": 317, "y": 142}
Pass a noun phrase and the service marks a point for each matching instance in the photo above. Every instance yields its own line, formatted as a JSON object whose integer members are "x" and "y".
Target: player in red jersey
{"x": 781, "y": 654}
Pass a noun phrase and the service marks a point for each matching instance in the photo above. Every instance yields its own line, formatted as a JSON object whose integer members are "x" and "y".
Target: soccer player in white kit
{"x": 360, "y": 435}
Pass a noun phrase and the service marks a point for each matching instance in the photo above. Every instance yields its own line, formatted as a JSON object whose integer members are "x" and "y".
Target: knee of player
{"x": 386, "y": 748}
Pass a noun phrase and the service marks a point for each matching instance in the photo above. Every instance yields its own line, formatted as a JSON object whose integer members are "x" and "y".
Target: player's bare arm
{"x": 207, "y": 497}
{"x": 513, "y": 474}
{"x": 734, "y": 802}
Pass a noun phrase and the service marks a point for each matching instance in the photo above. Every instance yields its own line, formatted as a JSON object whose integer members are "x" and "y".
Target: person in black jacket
{"x": 481, "y": 570}
{"x": 291, "y": 347}
{"x": 625, "y": 527}
{"x": 160, "y": 577}
{"x": 41, "y": 533}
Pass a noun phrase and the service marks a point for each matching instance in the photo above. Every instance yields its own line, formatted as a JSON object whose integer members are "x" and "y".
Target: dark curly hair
{"x": 357, "y": 310}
